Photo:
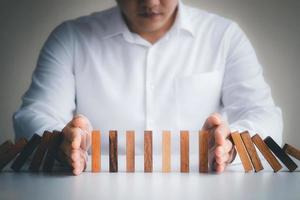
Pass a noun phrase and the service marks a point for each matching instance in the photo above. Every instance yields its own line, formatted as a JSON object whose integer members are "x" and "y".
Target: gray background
{"x": 273, "y": 27}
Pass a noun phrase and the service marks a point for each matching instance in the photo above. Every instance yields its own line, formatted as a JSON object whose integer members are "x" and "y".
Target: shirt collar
{"x": 116, "y": 25}
{"x": 183, "y": 21}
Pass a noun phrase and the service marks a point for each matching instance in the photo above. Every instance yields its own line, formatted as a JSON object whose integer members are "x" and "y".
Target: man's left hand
{"x": 221, "y": 149}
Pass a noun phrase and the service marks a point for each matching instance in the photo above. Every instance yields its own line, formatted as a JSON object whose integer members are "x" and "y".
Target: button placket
{"x": 149, "y": 91}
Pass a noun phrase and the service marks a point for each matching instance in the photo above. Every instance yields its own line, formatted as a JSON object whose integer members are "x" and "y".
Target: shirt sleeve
{"x": 49, "y": 103}
{"x": 246, "y": 97}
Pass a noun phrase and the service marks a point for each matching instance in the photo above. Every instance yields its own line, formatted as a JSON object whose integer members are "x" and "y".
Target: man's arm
{"x": 247, "y": 101}
{"x": 49, "y": 103}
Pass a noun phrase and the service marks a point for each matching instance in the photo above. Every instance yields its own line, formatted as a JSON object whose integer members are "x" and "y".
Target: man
{"x": 148, "y": 64}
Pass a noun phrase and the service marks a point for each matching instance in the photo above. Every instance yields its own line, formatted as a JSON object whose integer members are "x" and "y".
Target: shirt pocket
{"x": 197, "y": 96}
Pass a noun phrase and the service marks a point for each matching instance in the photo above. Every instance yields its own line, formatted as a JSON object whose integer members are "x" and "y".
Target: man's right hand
{"x": 76, "y": 142}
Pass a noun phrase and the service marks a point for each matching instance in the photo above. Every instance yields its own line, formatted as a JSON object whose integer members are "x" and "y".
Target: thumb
{"x": 82, "y": 122}
{"x": 212, "y": 121}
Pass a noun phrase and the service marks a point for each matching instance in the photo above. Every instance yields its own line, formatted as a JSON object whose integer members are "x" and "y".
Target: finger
{"x": 224, "y": 149}
{"x": 213, "y": 120}
{"x": 84, "y": 160}
{"x": 76, "y": 161}
{"x": 219, "y": 151}
{"x": 82, "y": 122}
{"x": 80, "y": 163}
{"x": 73, "y": 136}
{"x": 220, "y": 155}
{"x": 228, "y": 146}
{"x": 211, "y": 138}
{"x": 219, "y": 167}
{"x": 79, "y": 167}
{"x": 211, "y": 158}
{"x": 85, "y": 141}
{"x": 222, "y": 131}
{"x": 224, "y": 159}
{"x": 88, "y": 140}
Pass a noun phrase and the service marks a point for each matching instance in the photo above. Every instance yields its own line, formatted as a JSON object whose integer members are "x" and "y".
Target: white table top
{"x": 232, "y": 184}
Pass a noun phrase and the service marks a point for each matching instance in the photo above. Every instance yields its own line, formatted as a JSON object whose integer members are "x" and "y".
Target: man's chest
{"x": 167, "y": 86}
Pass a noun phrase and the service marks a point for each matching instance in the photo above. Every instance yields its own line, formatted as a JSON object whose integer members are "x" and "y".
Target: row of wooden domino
{"x": 46, "y": 151}
{"x": 244, "y": 144}
{"x": 148, "y": 149}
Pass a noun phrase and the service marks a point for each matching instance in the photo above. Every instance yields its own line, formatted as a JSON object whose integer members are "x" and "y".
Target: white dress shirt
{"x": 95, "y": 66}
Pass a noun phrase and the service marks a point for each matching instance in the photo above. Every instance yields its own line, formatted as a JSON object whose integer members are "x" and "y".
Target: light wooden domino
{"x": 251, "y": 151}
{"x": 265, "y": 151}
{"x": 96, "y": 151}
{"x": 130, "y": 151}
{"x": 166, "y": 151}
{"x": 242, "y": 152}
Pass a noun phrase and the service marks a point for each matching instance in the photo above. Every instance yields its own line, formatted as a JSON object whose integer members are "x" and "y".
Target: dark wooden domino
{"x": 203, "y": 151}
{"x": 184, "y": 151}
{"x": 63, "y": 160}
{"x": 12, "y": 152}
{"x": 148, "y": 161}
{"x": 281, "y": 155}
{"x": 265, "y": 151}
{"x": 26, "y": 152}
{"x": 113, "y": 151}
{"x": 292, "y": 151}
{"x": 240, "y": 148}
{"x": 5, "y": 146}
{"x": 40, "y": 152}
{"x": 251, "y": 151}
{"x": 54, "y": 143}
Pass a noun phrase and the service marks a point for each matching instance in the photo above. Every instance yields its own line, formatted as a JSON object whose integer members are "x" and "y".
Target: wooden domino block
{"x": 251, "y": 151}
{"x": 130, "y": 151}
{"x": 292, "y": 151}
{"x": 148, "y": 165}
{"x": 237, "y": 140}
{"x": 63, "y": 160}
{"x": 265, "y": 151}
{"x": 54, "y": 143}
{"x": 113, "y": 151}
{"x": 26, "y": 152}
{"x": 184, "y": 151}
{"x": 40, "y": 152}
{"x": 166, "y": 151}
{"x": 276, "y": 149}
{"x": 12, "y": 152}
{"x": 5, "y": 146}
{"x": 96, "y": 151}
{"x": 203, "y": 151}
